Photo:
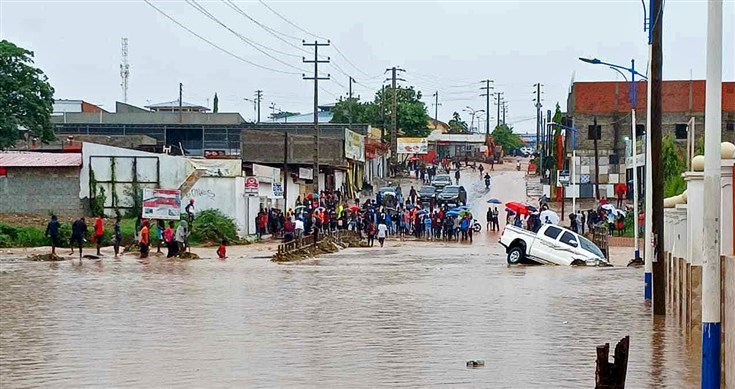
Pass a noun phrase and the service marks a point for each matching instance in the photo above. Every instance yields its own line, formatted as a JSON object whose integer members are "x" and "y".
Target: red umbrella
{"x": 354, "y": 208}
{"x": 517, "y": 208}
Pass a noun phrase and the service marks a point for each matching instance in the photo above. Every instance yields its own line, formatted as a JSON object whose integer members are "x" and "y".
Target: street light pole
{"x": 632, "y": 98}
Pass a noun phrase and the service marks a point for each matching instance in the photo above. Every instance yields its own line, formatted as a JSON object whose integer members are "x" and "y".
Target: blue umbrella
{"x": 453, "y": 213}
{"x": 410, "y": 206}
{"x": 494, "y": 201}
{"x": 423, "y": 212}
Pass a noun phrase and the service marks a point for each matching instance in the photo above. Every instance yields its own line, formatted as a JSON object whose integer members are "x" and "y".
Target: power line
{"x": 290, "y": 22}
{"x": 215, "y": 45}
{"x": 251, "y": 43}
{"x": 279, "y": 35}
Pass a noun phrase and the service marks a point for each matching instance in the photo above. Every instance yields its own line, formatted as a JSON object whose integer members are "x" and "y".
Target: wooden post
{"x": 612, "y": 375}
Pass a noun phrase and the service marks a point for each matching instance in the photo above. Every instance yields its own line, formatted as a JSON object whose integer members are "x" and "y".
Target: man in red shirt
{"x": 99, "y": 232}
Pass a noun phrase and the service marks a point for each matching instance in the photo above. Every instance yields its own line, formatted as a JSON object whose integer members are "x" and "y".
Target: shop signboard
{"x": 161, "y": 204}
{"x": 412, "y": 145}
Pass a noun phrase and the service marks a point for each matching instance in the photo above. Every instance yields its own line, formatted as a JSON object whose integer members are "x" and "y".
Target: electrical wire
{"x": 279, "y": 35}
{"x": 251, "y": 43}
{"x": 215, "y": 45}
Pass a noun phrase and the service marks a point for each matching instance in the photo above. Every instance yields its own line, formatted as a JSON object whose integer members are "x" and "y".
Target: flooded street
{"x": 408, "y": 315}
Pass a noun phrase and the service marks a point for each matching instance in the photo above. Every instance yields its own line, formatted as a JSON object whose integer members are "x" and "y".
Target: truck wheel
{"x": 477, "y": 227}
{"x": 516, "y": 255}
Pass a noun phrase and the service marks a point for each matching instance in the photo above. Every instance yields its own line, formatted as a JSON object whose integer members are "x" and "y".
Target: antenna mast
{"x": 124, "y": 69}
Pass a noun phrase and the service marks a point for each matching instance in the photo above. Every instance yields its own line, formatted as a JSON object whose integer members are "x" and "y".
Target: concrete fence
{"x": 683, "y": 237}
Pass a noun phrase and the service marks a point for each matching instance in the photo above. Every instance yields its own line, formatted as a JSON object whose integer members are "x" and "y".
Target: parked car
{"x": 440, "y": 181}
{"x": 551, "y": 245}
{"x": 427, "y": 194}
{"x": 452, "y": 195}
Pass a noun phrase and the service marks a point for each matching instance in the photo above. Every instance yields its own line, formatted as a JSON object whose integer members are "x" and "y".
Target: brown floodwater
{"x": 408, "y": 315}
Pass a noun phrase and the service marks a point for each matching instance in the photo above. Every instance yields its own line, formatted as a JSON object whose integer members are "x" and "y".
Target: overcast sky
{"x": 444, "y": 46}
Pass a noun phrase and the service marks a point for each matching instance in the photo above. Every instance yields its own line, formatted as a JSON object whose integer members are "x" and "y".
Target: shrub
{"x": 212, "y": 226}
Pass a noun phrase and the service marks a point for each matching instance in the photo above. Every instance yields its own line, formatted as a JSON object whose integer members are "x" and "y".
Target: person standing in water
{"x": 99, "y": 232}
{"x": 382, "y": 232}
{"x": 116, "y": 236}
{"x": 144, "y": 240}
{"x": 78, "y": 231}
{"x": 52, "y": 232}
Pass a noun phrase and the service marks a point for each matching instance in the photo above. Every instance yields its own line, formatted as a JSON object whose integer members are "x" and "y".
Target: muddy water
{"x": 409, "y": 315}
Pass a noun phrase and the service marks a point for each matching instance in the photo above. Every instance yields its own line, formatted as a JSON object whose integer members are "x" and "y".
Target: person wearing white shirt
{"x": 382, "y": 232}
{"x": 298, "y": 228}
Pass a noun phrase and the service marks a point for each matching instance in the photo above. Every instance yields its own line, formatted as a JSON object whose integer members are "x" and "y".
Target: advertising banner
{"x": 354, "y": 146}
{"x": 215, "y": 167}
{"x": 412, "y": 145}
{"x": 277, "y": 190}
{"x": 162, "y": 204}
{"x": 266, "y": 173}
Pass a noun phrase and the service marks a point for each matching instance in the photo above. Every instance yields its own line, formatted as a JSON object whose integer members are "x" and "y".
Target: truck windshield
{"x": 590, "y": 247}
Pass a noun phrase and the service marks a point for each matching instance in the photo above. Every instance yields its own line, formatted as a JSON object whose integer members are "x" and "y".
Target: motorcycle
{"x": 476, "y": 226}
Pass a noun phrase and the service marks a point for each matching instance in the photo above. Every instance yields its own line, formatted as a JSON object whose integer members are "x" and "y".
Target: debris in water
{"x": 477, "y": 363}
{"x": 564, "y": 322}
{"x": 46, "y": 258}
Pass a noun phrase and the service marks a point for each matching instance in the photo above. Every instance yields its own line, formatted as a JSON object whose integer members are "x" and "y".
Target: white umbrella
{"x": 553, "y": 216}
{"x": 619, "y": 212}
{"x": 608, "y": 207}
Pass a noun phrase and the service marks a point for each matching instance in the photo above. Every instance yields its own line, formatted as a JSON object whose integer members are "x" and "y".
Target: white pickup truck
{"x": 551, "y": 245}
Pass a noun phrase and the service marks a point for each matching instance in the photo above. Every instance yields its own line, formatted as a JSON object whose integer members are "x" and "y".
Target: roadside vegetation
{"x": 210, "y": 227}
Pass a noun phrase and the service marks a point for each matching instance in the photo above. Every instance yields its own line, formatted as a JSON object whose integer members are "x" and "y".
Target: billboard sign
{"x": 162, "y": 204}
{"x": 412, "y": 145}
{"x": 306, "y": 173}
{"x": 251, "y": 186}
{"x": 354, "y": 146}
{"x": 277, "y": 190}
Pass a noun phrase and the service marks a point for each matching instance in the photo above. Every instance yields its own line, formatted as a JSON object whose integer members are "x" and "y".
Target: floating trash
{"x": 474, "y": 364}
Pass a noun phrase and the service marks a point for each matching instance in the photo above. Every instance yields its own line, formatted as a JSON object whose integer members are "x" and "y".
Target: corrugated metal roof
{"x": 175, "y": 104}
{"x": 40, "y": 159}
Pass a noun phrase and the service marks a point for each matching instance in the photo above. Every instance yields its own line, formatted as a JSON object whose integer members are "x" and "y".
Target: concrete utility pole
{"x": 258, "y": 99}
{"x": 273, "y": 111}
{"x": 349, "y": 106}
{"x": 657, "y": 189}
{"x": 538, "y": 113}
{"x": 394, "y": 114}
{"x": 648, "y": 229}
{"x": 486, "y": 95}
{"x": 498, "y": 94}
{"x": 181, "y": 94}
{"x": 436, "y": 110}
{"x": 316, "y": 61}
{"x": 505, "y": 108}
{"x": 711, "y": 288}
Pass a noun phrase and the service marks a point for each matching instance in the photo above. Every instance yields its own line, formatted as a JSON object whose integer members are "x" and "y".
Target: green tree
{"x": 282, "y": 115}
{"x": 26, "y": 98}
{"x": 215, "y": 107}
{"x": 674, "y": 165}
{"x": 503, "y": 135}
{"x": 411, "y": 113}
{"x": 457, "y": 125}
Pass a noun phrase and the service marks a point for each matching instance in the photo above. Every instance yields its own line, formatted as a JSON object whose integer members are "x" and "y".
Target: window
{"x": 552, "y": 232}
{"x": 590, "y": 247}
{"x": 569, "y": 239}
{"x": 730, "y": 126}
{"x": 594, "y": 133}
{"x": 681, "y": 131}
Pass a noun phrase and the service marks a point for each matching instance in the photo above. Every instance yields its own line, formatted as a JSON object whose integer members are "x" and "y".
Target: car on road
{"x": 551, "y": 245}
{"x": 427, "y": 194}
{"x": 452, "y": 195}
{"x": 440, "y": 181}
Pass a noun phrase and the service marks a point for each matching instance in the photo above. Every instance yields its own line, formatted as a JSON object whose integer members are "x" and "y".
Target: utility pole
{"x": 648, "y": 229}
{"x": 394, "y": 115}
{"x": 538, "y": 113}
{"x": 436, "y": 110}
{"x": 316, "y": 61}
{"x": 486, "y": 95}
{"x": 285, "y": 171}
{"x": 181, "y": 94}
{"x": 258, "y": 99}
{"x": 124, "y": 70}
{"x": 711, "y": 281}
{"x": 505, "y": 108}
{"x": 273, "y": 111}
{"x": 498, "y": 94}
{"x": 657, "y": 190}
{"x": 349, "y": 105}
